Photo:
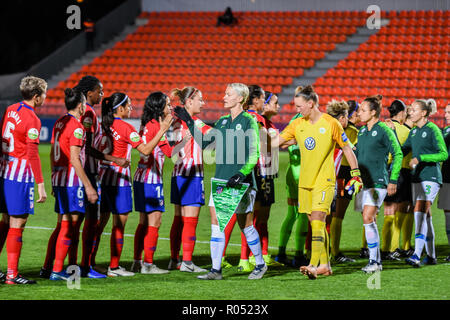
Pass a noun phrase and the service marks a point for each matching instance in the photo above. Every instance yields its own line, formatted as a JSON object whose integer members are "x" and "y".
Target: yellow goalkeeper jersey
{"x": 317, "y": 143}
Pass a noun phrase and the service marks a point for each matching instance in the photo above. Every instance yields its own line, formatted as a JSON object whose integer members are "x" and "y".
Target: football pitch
{"x": 396, "y": 281}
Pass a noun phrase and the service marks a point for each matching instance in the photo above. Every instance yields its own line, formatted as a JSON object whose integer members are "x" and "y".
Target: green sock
{"x": 301, "y": 232}
{"x": 286, "y": 228}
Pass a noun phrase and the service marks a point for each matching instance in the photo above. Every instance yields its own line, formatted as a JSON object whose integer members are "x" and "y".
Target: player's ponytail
{"x": 396, "y": 107}
{"x": 154, "y": 107}
{"x": 87, "y": 83}
{"x": 428, "y": 105}
{"x": 109, "y": 107}
{"x": 375, "y": 103}
{"x": 73, "y": 97}
{"x": 183, "y": 94}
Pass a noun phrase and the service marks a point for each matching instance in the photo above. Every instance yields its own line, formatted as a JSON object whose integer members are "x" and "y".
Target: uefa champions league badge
{"x": 80, "y": 203}
{"x": 161, "y": 203}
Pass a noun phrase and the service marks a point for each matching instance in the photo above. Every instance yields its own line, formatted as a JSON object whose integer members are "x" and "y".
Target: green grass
{"x": 397, "y": 280}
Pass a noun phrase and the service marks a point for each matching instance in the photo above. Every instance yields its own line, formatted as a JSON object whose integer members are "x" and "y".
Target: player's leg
{"x": 150, "y": 243}
{"x": 46, "y": 269}
{"x": 177, "y": 226}
{"x": 73, "y": 250}
{"x": 373, "y": 238}
{"x": 103, "y": 221}
{"x": 286, "y": 229}
{"x": 390, "y": 208}
{"x": 139, "y": 236}
{"x": 301, "y": 232}
{"x": 188, "y": 238}
{"x": 4, "y": 228}
{"x": 228, "y": 231}
{"x": 116, "y": 243}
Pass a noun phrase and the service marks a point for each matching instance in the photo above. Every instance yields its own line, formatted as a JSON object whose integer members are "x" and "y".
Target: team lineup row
{"x": 91, "y": 177}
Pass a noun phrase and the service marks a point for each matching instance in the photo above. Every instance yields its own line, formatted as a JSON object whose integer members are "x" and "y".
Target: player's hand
{"x": 182, "y": 114}
{"x": 390, "y": 123}
{"x": 91, "y": 195}
{"x": 355, "y": 184}
{"x": 42, "y": 193}
{"x": 165, "y": 124}
{"x": 391, "y": 189}
{"x": 413, "y": 163}
{"x": 122, "y": 162}
{"x": 235, "y": 180}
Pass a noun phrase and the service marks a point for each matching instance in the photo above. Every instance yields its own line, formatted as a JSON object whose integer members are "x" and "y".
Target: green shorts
{"x": 291, "y": 184}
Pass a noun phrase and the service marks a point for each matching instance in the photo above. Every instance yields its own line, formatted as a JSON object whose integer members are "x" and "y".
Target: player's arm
{"x": 164, "y": 125}
{"x": 396, "y": 151}
{"x": 76, "y": 164}
{"x": 203, "y": 140}
{"x": 35, "y": 160}
{"x": 122, "y": 162}
{"x": 442, "y": 153}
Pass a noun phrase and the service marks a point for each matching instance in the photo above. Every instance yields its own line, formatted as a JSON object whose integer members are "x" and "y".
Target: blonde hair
{"x": 337, "y": 109}
{"x": 184, "y": 94}
{"x": 428, "y": 105}
{"x": 307, "y": 93}
{"x": 31, "y": 86}
{"x": 242, "y": 90}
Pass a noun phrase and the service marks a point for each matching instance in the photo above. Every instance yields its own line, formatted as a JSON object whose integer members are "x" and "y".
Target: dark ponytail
{"x": 154, "y": 107}
{"x": 396, "y": 107}
{"x": 109, "y": 106}
{"x": 87, "y": 83}
{"x": 255, "y": 92}
{"x": 73, "y": 97}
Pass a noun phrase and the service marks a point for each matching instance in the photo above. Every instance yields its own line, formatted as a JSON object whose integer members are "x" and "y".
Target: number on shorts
{"x": 323, "y": 195}
{"x": 8, "y": 147}
{"x": 80, "y": 193}
{"x": 427, "y": 189}
{"x": 31, "y": 194}
{"x": 159, "y": 191}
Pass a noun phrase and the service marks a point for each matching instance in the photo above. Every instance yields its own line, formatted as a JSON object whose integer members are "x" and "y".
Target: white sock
{"x": 421, "y": 232}
{"x": 252, "y": 236}
{"x": 430, "y": 238}
{"x": 217, "y": 245}
{"x": 373, "y": 241}
{"x": 447, "y": 225}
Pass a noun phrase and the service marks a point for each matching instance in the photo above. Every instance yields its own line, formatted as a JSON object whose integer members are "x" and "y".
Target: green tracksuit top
{"x": 446, "y": 163}
{"x": 236, "y": 145}
{"x": 428, "y": 146}
{"x": 372, "y": 152}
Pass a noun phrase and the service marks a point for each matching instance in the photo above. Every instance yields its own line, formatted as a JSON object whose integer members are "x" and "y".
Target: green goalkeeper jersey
{"x": 293, "y": 171}
{"x": 236, "y": 145}
{"x": 428, "y": 146}
{"x": 372, "y": 152}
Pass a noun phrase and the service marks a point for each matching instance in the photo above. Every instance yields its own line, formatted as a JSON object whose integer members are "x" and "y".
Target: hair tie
{"x": 118, "y": 105}
{"x": 356, "y": 109}
{"x": 268, "y": 98}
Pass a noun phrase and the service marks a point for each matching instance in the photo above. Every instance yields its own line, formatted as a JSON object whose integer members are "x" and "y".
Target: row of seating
{"x": 381, "y": 82}
{"x": 420, "y": 74}
{"x": 394, "y": 64}
{"x": 395, "y": 55}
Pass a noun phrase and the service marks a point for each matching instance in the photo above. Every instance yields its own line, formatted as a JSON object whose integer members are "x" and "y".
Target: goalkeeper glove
{"x": 182, "y": 114}
{"x": 355, "y": 184}
{"x": 238, "y": 178}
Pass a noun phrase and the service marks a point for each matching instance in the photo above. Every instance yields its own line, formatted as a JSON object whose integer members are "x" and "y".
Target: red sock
{"x": 150, "y": 241}
{"x": 13, "y": 248}
{"x": 264, "y": 236}
{"x": 175, "y": 237}
{"x": 51, "y": 248}
{"x": 116, "y": 246}
{"x": 73, "y": 250}
{"x": 139, "y": 237}
{"x": 328, "y": 226}
{"x": 188, "y": 237}
{"x": 96, "y": 242}
{"x": 4, "y": 228}
{"x": 308, "y": 238}
{"x": 228, "y": 230}
{"x": 245, "y": 250}
{"x": 88, "y": 238}
{"x": 62, "y": 245}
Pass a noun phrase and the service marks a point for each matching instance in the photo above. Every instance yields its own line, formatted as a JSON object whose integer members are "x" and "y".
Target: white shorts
{"x": 425, "y": 190}
{"x": 370, "y": 197}
{"x": 444, "y": 197}
{"x": 245, "y": 206}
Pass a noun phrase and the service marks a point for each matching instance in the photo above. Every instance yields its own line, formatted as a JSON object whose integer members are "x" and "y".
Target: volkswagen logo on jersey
{"x": 310, "y": 143}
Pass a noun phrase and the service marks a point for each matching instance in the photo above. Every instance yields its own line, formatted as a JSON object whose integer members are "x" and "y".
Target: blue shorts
{"x": 148, "y": 197}
{"x": 17, "y": 198}
{"x": 69, "y": 199}
{"x": 116, "y": 200}
{"x": 187, "y": 191}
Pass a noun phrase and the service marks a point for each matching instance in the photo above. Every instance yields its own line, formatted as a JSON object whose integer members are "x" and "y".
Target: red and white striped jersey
{"x": 20, "y": 126}
{"x": 122, "y": 138}
{"x": 270, "y": 164}
{"x": 150, "y": 168}
{"x": 338, "y": 154}
{"x": 67, "y": 131}
{"x": 187, "y": 154}
{"x": 91, "y": 125}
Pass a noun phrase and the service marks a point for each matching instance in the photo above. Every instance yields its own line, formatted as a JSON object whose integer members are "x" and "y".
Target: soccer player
{"x": 234, "y": 163}
{"x": 293, "y": 216}
{"x": 343, "y": 198}
{"x": 428, "y": 148}
{"x": 148, "y": 184}
{"x": 187, "y": 188}
{"x": 316, "y": 134}
{"x": 444, "y": 199}
{"x": 92, "y": 89}
{"x": 397, "y": 205}
{"x": 119, "y": 137}
{"x": 69, "y": 180}
{"x": 375, "y": 142}
{"x": 20, "y": 168}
